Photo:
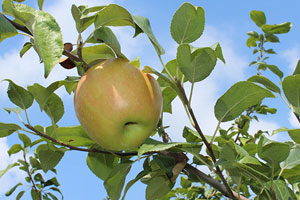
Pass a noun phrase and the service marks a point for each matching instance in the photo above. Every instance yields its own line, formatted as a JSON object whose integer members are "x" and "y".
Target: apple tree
{"x": 242, "y": 164}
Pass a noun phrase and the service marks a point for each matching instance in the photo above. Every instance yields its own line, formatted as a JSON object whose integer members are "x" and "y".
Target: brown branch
{"x": 212, "y": 182}
{"x": 207, "y": 144}
{"x": 78, "y": 148}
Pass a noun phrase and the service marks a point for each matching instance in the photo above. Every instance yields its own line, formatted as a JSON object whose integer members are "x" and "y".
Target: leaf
{"x": 14, "y": 149}
{"x": 95, "y": 54}
{"x": 25, "y": 139}
{"x": 297, "y": 69}
{"x": 187, "y": 24}
{"x": 113, "y": 15}
{"x": 116, "y": 179}
{"x": 74, "y": 135}
{"x": 54, "y": 108}
{"x": 41, "y": 3}
{"x": 49, "y": 156}
{"x": 16, "y": 110}
{"x": 157, "y": 187}
{"x": 133, "y": 181}
{"x": 238, "y": 98}
{"x": 251, "y": 41}
{"x": 35, "y": 194}
{"x": 143, "y": 25}
{"x": 47, "y": 34}
{"x": 101, "y": 164}
{"x": 105, "y": 35}
{"x": 265, "y": 82}
{"x": 275, "y": 70}
{"x": 217, "y": 48}
{"x": 191, "y": 135}
{"x": 6, "y": 29}
{"x": 8, "y": 193}
{"x": 281, "y": 189}
{"x": 277, "y": 28}
{"x": 25, "y": 48}
{"x": 168, "y": 96}
{"x": 2, "y": 172}
{"x": 151, "y": 145}
{"x": 52, "y": 181}
{"x": 266, "y": 149}
{"x": 82, "y": 21}
{"x": 295, "y": 135}
{"x": 18, "y": 95}
{"x": 48, "y": 38}
{"x": 291, "y": 89}
{"x": 7, "y": 129}
{"x": 258, "y": 17}
{"x": 173, "y": 69}
{"x": 198, "y": 65}
{"x": 293, "y": 159}
{"x": 136, "y": 62}
{"x": 19, "y": 196}
{"x": 40, "y": 94}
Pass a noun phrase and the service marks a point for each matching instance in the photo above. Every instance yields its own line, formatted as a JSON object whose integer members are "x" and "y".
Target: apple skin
{"x": 117, "y": 104}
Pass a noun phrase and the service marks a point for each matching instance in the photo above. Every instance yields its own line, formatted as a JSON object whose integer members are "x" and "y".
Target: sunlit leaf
{"x": 7, "y": 129}
{"x": 187, "y": 23}
{"x": 291, "y": 89}
{"x": 293, "y": 159}
{"x": 238, "y": 98}
{"x": 74, "y": 135}
{"x": 6, "y": 29}
{"x": 258, "y": 17}
{"x": 265, "y": 82}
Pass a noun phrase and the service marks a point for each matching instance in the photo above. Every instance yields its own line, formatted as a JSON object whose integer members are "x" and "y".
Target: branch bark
{"x": 212, "y": 182}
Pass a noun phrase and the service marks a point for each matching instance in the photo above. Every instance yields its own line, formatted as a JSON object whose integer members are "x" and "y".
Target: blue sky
{"x": 226, "y": 22}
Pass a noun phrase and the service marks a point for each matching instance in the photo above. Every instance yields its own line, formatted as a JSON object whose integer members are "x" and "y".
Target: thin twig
{"x": 78, "y": 148}
{"x": 212, "y": 182}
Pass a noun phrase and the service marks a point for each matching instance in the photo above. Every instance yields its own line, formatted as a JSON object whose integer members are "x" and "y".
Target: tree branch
{"x": 212, "y": 182}
{"x": 207, "y": 144}
{"x": 78, "y": 148}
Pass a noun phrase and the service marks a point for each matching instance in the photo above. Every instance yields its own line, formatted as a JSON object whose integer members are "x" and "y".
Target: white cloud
{"x": 265, "y": 125}
{"x": 293, "y": 121}
{"x": 291, "y": 56}
{"x": 14, "y": 175}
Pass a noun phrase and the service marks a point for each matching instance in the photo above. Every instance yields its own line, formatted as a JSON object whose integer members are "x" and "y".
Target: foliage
{"x": 242, "y": 164}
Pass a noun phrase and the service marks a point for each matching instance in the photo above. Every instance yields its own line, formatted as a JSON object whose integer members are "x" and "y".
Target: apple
{"x": 117, "y": 104}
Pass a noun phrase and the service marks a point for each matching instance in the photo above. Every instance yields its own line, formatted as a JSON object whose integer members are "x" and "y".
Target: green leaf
{"x": 295, "y": 135}
{"x": 191, "y": 135}
{"x": 168, "y": 96}
{"x": 143, "y": 25}
{"x": 82, "y": 21}
{"x": 2, "y": 172}
{"x": 258, "y": 17}
{"x": 14, "y": 149}
{"x": 281, "y": 189}
{"x": 187, "y": 23}
{"x": 35, "y": 195}
{"x": 157, "y": 187}
{"x": 101, "y": 164}
{"x": 8, "y": 193}
{"x": 40, "y": 94}
{"x": 41, "y": 3}
{"x": 297, "y": 69}
{"x": 271, "y": 38}
{"x": 173, "y": 68}
{"x": 116, "y": 179}
{"x": 218, "y": 49}
{"x": 52, "y": 181}
{"x": 19, "y": 196}
{"x": 198, "y": 65}
{"x": 136, "y": 62}
{"x": 253, "y": 34}
{"x": 105, "y": 35}
{"x": 275, "y": 70}
{"x": 48, "y": 38}
{"x": 54, "y": 108}
{"x": 166, "y": 163}
{"x": 25, "y": 139}
{"x": 6, "y": 29}
{"x": 74, "y": 135}
{"x": 266, "y": 149}
{"x": 291, "y": 89}
{"x": 184, "y": 182}
{"x": 96, "y": 54}
{"x": 151, "y": 145}
{"x": 133, "y": 181}
{"x": 47, "y": 34}
{"x": 18, "y": 95}
{"x": 277, "y": 28}
{"x": 49, "y": 156}
{"x": 16, "y": 110}
{"x": 265, "y": 82}
{"x": 113, "y": 15}
{"x": 251, "y": 41}
{"x": 38, "y": 178}
{"x": 238, "y": 98}
{"x": 7, "y": 129}
{"x": 25, "y": 48}
{"x": 293, "y": 159}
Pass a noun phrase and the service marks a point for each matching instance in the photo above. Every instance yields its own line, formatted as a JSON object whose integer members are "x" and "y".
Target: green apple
{"x": 117, "y": 104}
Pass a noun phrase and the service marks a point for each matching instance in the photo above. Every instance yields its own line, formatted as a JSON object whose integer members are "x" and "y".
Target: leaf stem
{"x": 191, "y": 93}
{"x": 164, "y": 66}
{"x": 215, "y": 132}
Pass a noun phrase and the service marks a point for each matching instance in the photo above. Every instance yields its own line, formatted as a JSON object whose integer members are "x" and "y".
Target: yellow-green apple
{"x": 117, "y": 104}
